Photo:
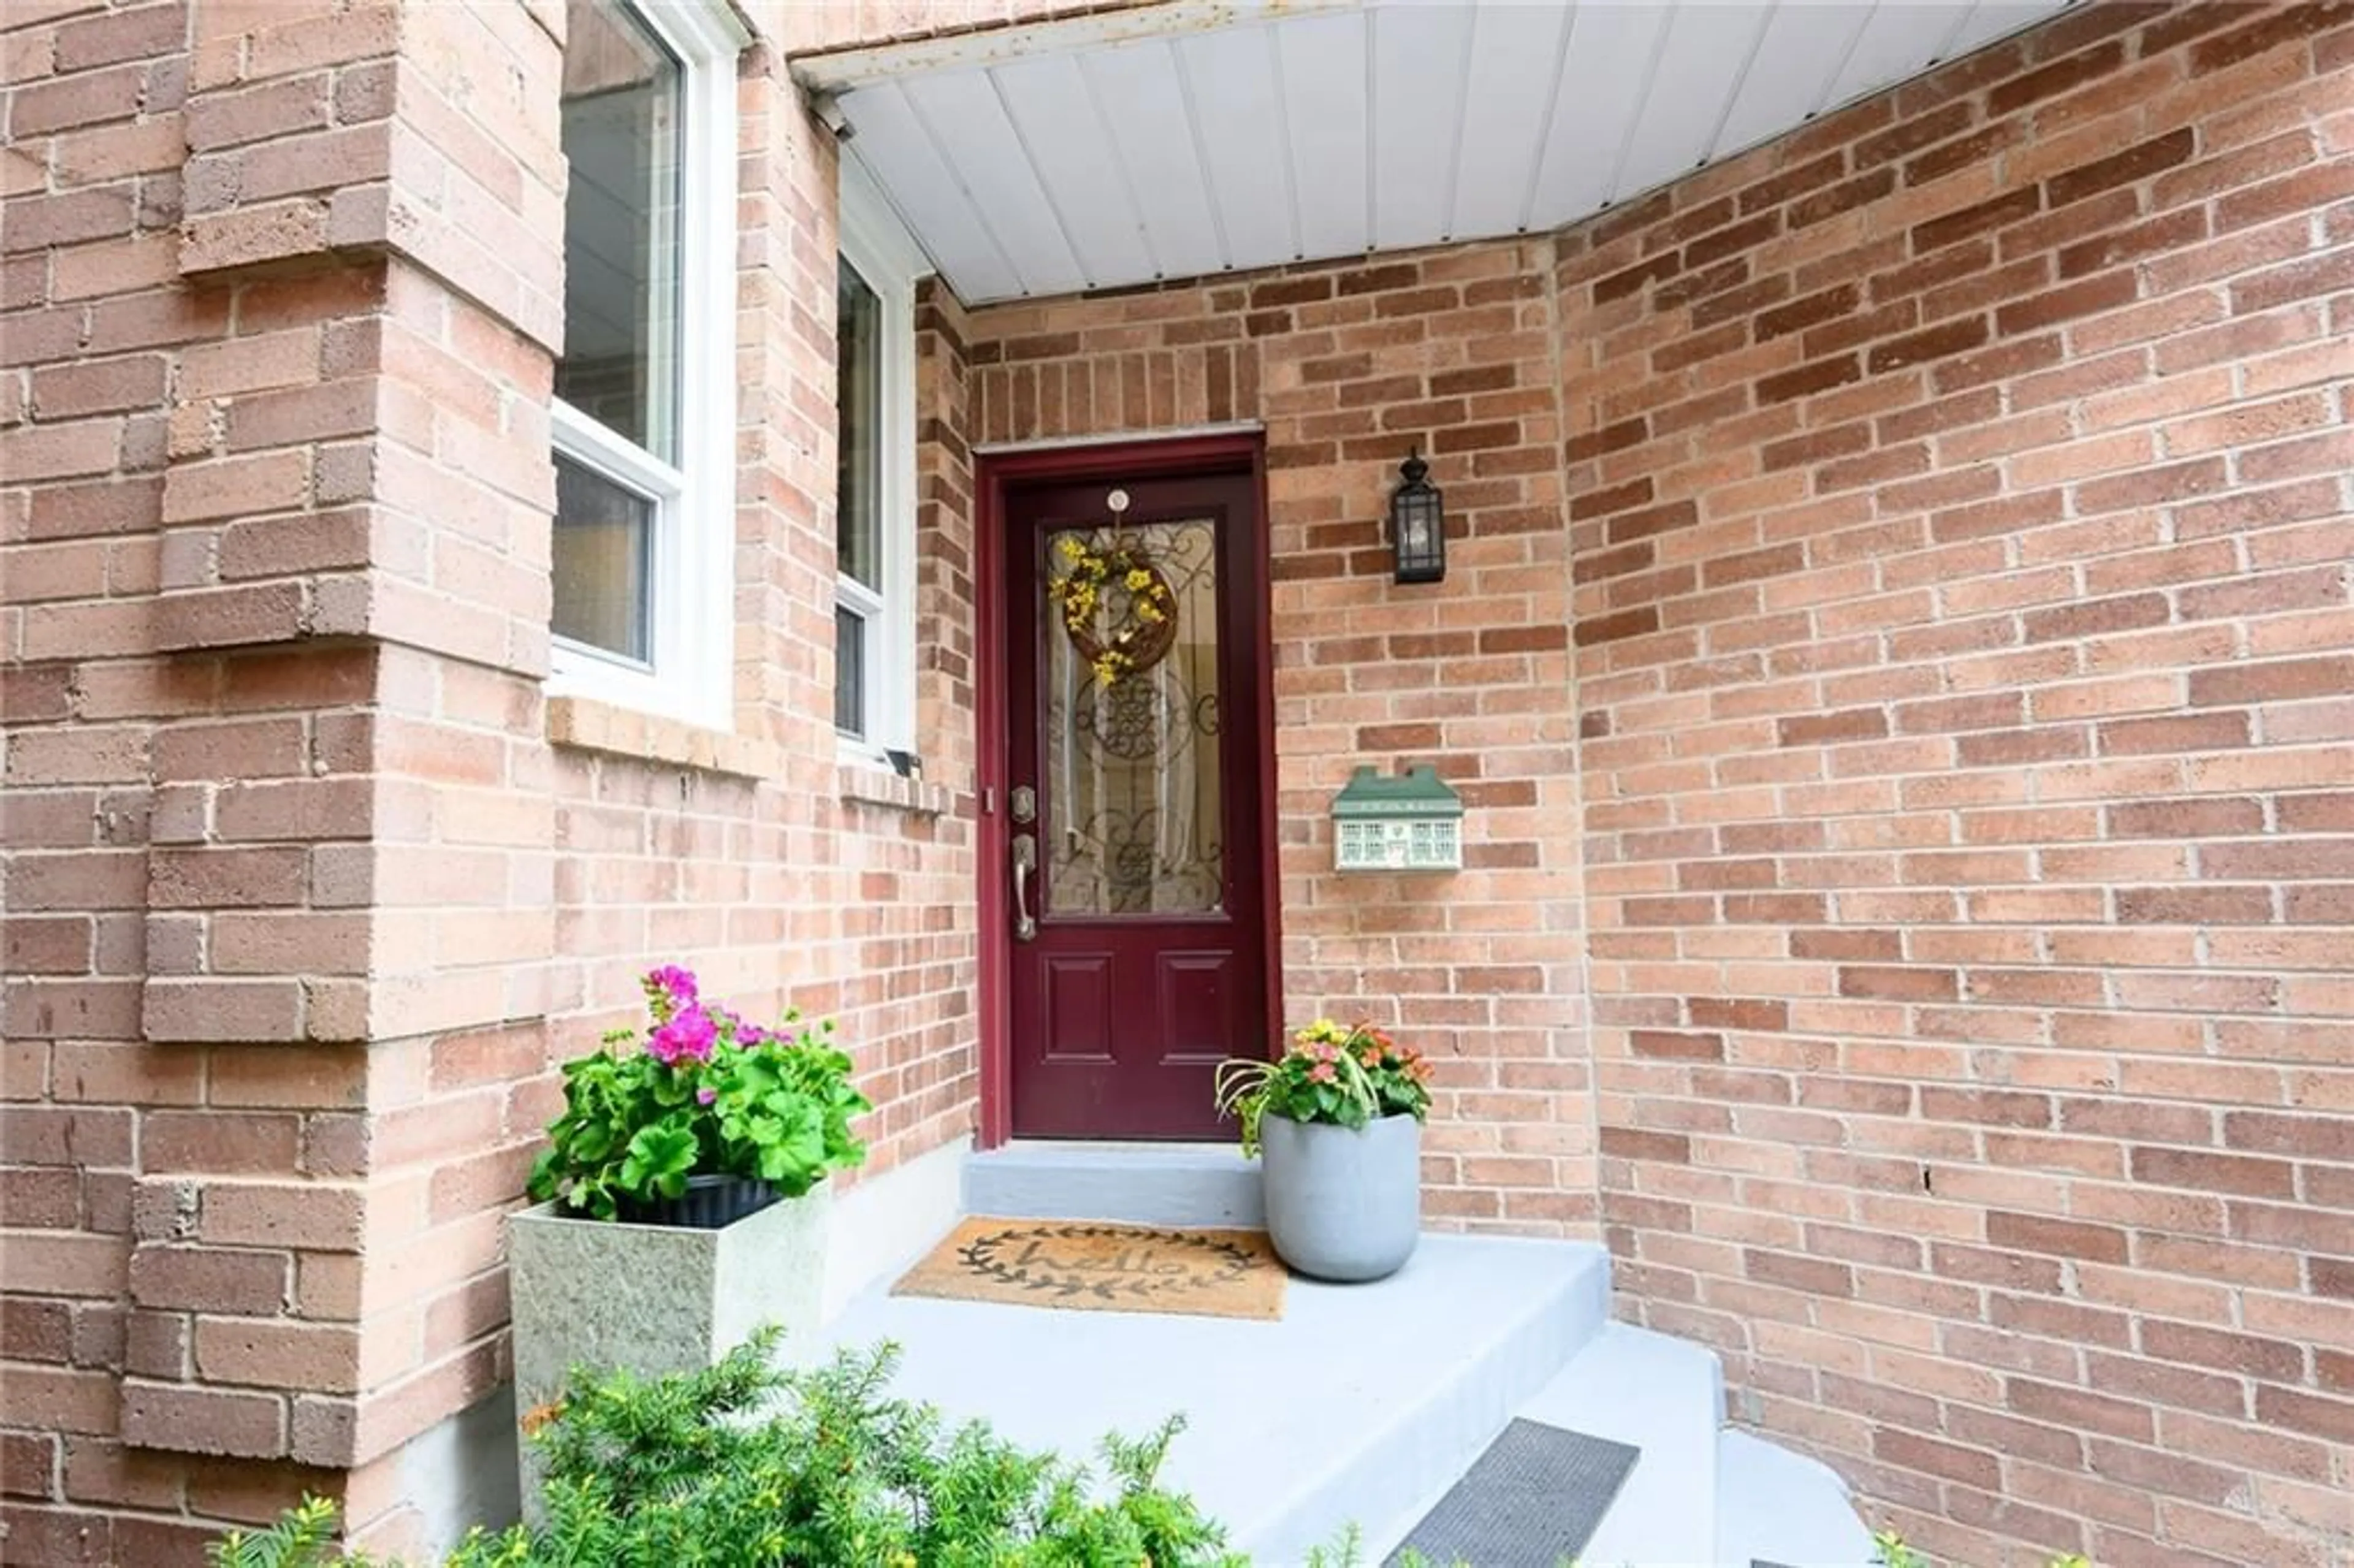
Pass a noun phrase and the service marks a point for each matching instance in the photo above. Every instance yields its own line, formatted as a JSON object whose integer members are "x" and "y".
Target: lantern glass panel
{"x": 1421, "y": 538}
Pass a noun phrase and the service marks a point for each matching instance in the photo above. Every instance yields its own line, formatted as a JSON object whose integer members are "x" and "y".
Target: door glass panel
{"x": 1134, "y": 815}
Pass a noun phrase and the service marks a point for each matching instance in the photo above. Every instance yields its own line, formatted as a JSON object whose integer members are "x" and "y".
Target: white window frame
{"x": 878, "y": 246}
{"x": 691, "y": 598}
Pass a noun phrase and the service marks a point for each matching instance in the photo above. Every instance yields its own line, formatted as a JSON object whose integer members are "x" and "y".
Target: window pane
{"x": 849, "y": 672}
{"x": 620, "y": 227}
{"x": 859, "y": 395}
{"x": 603, "y": 561}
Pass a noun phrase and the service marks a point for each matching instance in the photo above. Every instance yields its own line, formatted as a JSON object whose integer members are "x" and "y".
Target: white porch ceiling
{"x": 1197, "y": 137}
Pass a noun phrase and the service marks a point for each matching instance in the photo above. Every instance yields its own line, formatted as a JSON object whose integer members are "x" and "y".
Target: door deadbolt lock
{"x": 1024, "y": 803}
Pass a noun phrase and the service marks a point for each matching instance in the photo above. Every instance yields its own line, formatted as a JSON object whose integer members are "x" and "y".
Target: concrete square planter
{"x": 656, "y": 1298}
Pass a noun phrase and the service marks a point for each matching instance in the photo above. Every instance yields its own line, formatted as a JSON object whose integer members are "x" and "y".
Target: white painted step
{"x": 1775, "y": 1506}
{"x": 1666, "y": 1397}
{"x": 1130, "y": 1183}
{"x": 1359, "y": 1396}
{"x": 1662, "y": 1395}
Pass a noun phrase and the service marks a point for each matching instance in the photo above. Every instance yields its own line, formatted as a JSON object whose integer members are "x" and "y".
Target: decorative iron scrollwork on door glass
{"x": 1134, "y": 807}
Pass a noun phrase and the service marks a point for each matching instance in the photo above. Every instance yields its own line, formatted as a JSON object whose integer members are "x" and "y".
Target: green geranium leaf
{"x": 660, "y": 1159}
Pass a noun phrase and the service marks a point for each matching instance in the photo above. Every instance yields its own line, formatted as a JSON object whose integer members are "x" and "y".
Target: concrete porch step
{"x": 1775, "y": 1506}
{"x": 1665, "y": 1397}
{"x": 1360, "y": 1395}
{"x": 1135, "y": 1183}
{"x": 1294, "y": 1433}
{"x": 1699, "y": 1495}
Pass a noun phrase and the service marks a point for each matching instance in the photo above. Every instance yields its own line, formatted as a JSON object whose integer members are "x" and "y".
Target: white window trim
{"x": 692, "y": 597}
{"x": 875, "y": 243}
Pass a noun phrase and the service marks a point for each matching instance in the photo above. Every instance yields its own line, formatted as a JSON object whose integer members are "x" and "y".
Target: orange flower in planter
{"x": 1345, "y": 1076}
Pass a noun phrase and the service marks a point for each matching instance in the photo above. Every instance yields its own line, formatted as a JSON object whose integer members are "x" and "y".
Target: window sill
{"x": 585, "y": 724}
{"x": 863, "y": 784}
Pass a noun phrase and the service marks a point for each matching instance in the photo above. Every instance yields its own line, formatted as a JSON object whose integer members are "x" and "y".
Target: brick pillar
{"x": 276, "y": 610}
{"x": 944, "y": 533}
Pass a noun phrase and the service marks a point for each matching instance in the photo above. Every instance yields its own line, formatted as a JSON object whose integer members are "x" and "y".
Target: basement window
{"x": 644, "y": 413}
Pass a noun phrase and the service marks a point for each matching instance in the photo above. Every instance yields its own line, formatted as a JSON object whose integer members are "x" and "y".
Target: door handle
{"x": 1026, "y": 861}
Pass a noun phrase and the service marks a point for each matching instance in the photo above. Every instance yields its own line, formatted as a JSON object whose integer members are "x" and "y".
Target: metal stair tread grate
{"x": 1533, "y": 1499}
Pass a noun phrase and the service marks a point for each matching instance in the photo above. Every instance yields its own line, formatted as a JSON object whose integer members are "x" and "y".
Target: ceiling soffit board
{"x": 1191, "y": 138}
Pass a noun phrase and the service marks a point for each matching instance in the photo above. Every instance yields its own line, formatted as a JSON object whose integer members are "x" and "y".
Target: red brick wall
{"x": 1954, "y": 528}
{"x": 1349, "y": 365}
{"x": 1960, "y": 507}
{"x": 308, "y": 884}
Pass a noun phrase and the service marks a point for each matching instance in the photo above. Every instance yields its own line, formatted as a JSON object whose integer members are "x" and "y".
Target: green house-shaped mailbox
{"x": 1409, "y": 822}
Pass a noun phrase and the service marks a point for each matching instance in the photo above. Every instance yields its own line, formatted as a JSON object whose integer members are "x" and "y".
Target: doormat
{"x": 1097, "y": 1267}
{"x": 1532, "y": 1500}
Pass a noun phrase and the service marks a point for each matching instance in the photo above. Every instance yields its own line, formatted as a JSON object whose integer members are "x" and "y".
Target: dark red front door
{"x": 1138, "y": 953}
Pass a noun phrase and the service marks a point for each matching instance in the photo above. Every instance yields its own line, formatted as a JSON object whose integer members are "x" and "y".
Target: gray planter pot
{"x": 656, "y": 1298}
{"x": 1343, "y": 1203}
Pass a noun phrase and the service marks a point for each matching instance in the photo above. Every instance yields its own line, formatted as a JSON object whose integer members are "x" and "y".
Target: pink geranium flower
{"x": 678, "y": 984}
{"x": 689, "y": 1032}
{"x": 739, "y": 1032}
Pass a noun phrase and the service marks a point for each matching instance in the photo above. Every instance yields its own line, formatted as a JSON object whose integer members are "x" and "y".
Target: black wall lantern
{"x": 1418, "y": 526}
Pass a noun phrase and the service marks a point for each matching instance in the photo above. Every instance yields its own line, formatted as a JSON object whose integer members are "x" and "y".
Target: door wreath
{"x": 1117, "y": 607}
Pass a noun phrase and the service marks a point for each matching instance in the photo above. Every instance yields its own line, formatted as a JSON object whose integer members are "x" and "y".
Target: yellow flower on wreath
{"x": 1080, "y": 594}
